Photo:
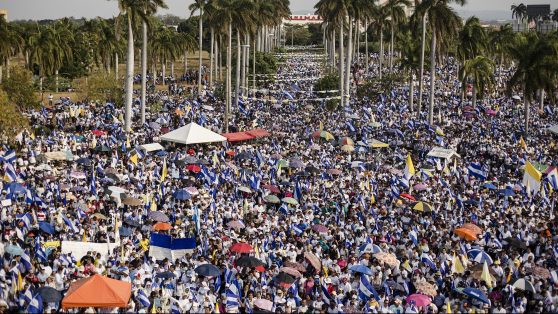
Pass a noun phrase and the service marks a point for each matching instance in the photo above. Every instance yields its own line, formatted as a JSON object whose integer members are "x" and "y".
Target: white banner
{"x": 80, "y": 249}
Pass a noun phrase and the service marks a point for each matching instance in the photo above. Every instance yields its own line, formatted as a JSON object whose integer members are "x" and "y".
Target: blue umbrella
{"x": 208, "y": 270}
{"x": 506, "y": 192}
{"x": 481, "y": 257}
{"x": 361, "y": 269}
{"x": 13, "y": 250}
{"x": 476, "y": 294}
{"x": 158, "y": 216}
{"x": 46, "y": 227}
{"x": 181, "y": 195}
{"x": 489, "y": 186}
{"x": 165, "y": 275}
{"x": 369, "y": 248}
{"x": 161, "y": 153}
{"x": 125, "y": 232}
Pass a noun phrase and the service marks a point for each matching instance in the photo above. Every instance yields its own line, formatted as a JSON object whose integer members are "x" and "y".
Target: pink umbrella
{"x": 320, "y": 228}
{"x": 314, "y": 260}
{"x": 419, "y": 187}
{"x": 236, "y": 224}
{"x": 334, "y": 171}
{"x": 291, "y": 271}
{"x": 192, "y": 190}
{"x": 296, "y": 266}
{"x": 419, "y": 299}
{"x": 263, "y": 304}
{"x": 491, "y": 112}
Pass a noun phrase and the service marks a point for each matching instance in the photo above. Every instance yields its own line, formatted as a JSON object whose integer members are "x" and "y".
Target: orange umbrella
{"x": 476, "y": 229}
{"x": 162, "y": 226}
{"x": 99, "y": 292}
{"x": 466, "y": 234}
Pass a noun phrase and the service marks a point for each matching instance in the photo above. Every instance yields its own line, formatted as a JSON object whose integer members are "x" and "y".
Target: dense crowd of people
{"x": 337, "y": 211}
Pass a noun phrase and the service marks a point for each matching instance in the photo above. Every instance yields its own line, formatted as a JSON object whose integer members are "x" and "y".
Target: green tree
{"x": 536, "y": 68}
{"x": 199, "y": 5}
{"x": 396, "y": 11}
{"x": 101, "y": 86}
{"x": 472, "y": 42}
{"x": 11, "y": 43}
{"x": 19, "y": 89}
{"x": 481, "y": 70}
{"x": 12, "y": 121}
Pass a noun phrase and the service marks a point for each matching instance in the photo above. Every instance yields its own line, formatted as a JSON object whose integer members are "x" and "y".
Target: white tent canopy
{"x": 553, "y": 129}
{"x": 152, "y": 147}
{"x": 443, "y": 153}
{"x": 193, "y": 134}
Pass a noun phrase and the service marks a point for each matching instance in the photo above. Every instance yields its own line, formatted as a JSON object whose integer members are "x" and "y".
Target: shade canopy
{"x": 443, "y": 153}
{"x": 98, "y": 292}
{"x": 238, "y": 136}
{"x": 192, "y": 134}
{"x": 152, "y": 147}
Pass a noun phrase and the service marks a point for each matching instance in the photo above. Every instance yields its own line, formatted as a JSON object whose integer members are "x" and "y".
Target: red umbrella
{"x": 98, "y": 132}
{"x": 272, "y": 188}
{"x": 291, "y": 271}
{"x": 296, "y": 266}
{"x": 230, "y": 153}
{"x": 194, "y": 168}
{"x": 407, "y": 196}
{"x": 241, "y": 247}
{"x": 261, "y": 269}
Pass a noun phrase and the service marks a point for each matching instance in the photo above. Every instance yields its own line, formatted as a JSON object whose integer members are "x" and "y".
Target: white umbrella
{"x": 524, "y": 284}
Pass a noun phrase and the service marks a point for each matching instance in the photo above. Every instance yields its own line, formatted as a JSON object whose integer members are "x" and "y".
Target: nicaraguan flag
{"x": 143, "y": 298}
{"x": 26, "y": 218}
{"x": 163, "y": 246}
{"x": 10, "y": 156}
{"x": 326, "y": 296}
{"x": 35, "y": 305}
{"x": 476, "y": 170}
{"x": 553, "y": 179}
{"x": 428, "y": 261}
{"x": 10, "y": 173}
{"x": 351, "y": 127}
{"x": 70, "y": 224}
{"x": 366, "y": 291}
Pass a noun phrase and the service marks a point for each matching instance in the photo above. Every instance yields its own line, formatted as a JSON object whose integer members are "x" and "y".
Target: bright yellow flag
{"x": 486, "y": 275}
{"x": 457, "y": 266}
{"x": 522, "y": 143}
{"x": 164, "y": 172}
{"x": 321, "y": 126}
{"x": 84, "y": 239}
{"x": 448, "y": 308}
{"x": 134, "y": 159}
{"x": 19, "y": 282}
{"x": 409, "y": 168}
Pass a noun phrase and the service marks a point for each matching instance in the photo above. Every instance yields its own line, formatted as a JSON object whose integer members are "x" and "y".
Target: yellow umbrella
{"x": 347, "y": 148}
{"x": 378, "y": 144}
{"x": 422, "y": 206}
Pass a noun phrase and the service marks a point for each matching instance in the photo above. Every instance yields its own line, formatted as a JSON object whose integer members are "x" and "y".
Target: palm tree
{"x": 444, "y": 23}
{"x": 10, "y": 45}
{"x": 472, "y": 41}
{"x": 135, "y": 10}
{"x": 232, "y": 13}
{"x": 380, "y": 18}
{"x": 536, "y": 68}
{"x": 499, "y": 42}
{"x": 519, "y": 12}
{"x": 334, "y": 12}
{"x": 165, "y": 46}
{"x": 555, "y": 15}
{"x": 397, "y": 15}
{"x": 410, "y": 60}
{"x": 149, "y": 8}
{"x": 49, "y": 50}
{"x": 481, "y": 70}
{"x": 199, "y": 5}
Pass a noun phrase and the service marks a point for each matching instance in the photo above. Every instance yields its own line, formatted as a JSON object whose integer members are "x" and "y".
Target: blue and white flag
{"x": 428, "y": 261}
{"x": 326, "y": 296}
{"x": 366, "y": 290}
{"x": 351, "y": 127}
{"x": 476, "y": 170}
{"x": 26, "y": 218}
{"x": 163, "y": 246}
{"x": 10, "y": 174}
{"x": 10, "y": 156}
{"x": 143, "y": 298}
{"x": 70, "y": 224}
{"x": 35, "y": 305}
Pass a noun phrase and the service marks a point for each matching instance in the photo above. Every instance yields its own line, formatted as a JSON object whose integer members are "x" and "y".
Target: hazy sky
{"x": 51, "y": 9}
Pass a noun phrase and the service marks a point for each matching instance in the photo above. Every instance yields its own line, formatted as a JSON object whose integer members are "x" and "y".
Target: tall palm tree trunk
{"x": 421, "y": 74}
{"x": 411, "y": 91}
{"x": 163, "y": 68}
{"x": 474, "y": 93}
{"x": 349, "y": 58}
{"x": 366, "y": 45}
{"x": 243, "y": 67}
{"x": 221, "y": 58}
{"x": 238, "y": 69}
{"x": 143, "y": 69}
{"x": 56, "y": 80}
{"x": 254, "y": 69}
{"x": 541, "y": 99}
{"x": 229, "y": 85}
{"x": 116, "y": 61}
{"x": 432, "y": 77}
{"x": 333, "y": 50}
{"x": 200, "y": 53}
{"x": 341, "y": 69}
{"x": 1, "y": 67}
{"x": 247, "y": 63}
{"x": 392, "y": 40}
{"x": 381, "y": 52}
{"x": 129, "y": 77}
{"x": 212, "y": 49}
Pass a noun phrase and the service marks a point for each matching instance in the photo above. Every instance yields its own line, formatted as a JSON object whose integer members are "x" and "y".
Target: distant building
{"x": 4, "y": 13}
{"x": 536, "y": 11}
{"x": 544, "y": 27}
{"x": 303, "y": 19}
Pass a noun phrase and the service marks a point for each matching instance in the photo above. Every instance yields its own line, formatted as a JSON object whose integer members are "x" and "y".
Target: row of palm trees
{"x": 482, "y": 53}
{"x": 246, "y": 23}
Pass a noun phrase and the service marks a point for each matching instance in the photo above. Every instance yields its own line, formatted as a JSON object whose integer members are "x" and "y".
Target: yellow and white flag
{"x": 532, "y": 178}
{"x": 409, "y": 171}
